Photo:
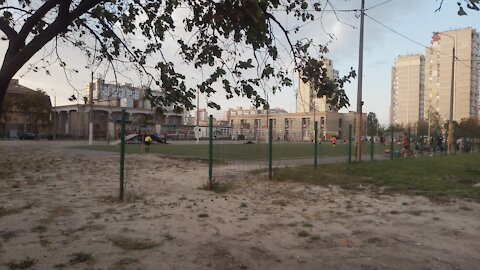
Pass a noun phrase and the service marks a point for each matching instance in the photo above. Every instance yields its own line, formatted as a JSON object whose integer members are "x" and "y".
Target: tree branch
{"x": 83, "y": 7}
{"x": 439, "y": 7}
{"x": 32, "y": 21}
{"x": 16, "y": 8}
{"x": 22, "y": 53}
{"x": 9, "y": 31}
{"x": 285, "y": 32}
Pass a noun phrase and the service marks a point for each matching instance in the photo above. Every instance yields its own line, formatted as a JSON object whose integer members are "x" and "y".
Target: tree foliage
{"x": 6, "y": 108}
{"x": 469, "y": 4}
{"x": 36, "y": 108}
{"x": 372, "y": 124}
{"x": 468, "y": 127}
{"x": 234, "y": 42}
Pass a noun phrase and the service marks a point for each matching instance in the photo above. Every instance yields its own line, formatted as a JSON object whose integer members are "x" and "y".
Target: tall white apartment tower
{"x": 438, "y": 70}
{"x": 408, "y": 78}
{"x": 307, "y": 100}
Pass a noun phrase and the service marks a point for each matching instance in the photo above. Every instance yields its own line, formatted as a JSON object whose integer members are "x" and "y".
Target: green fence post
{"x": 409, "y": 142}
{"x": 473, "y": 141}
{"x": 350, "y": 143}
{"x": 445, "y": 145}
{"x": 210, "y": 152}
{"x": 270, "y": 148}
{"x": 315, "y": 162}
{"x": 421, "y": 145}
{"x": 391, "y": 143}
{"x": 371, "y": 147}
{"x": 122, "y": 154}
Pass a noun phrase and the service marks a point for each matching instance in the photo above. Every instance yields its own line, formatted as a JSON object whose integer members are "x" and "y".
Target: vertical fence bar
{"x": 270, "y": 148}
{"x": 371, "y": 147}
{"x": 445, "y": 145}
{"x": 315, "y": 161}
{"x": 421, "y": 145}
{"x": 391, "y": 143}
{"x": 350, "y": 143}
{"x": 122, "y": 155}
{"x": 210, "y": 152}
{"x": 435, "y": 144}
{"x": 409, "y": 142}
{"x": 473, "y": 140}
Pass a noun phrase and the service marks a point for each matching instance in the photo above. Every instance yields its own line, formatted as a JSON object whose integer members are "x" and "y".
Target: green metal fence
{"x": 264, "y": 150}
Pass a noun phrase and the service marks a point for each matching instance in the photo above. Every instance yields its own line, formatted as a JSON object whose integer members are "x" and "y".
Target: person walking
{"x": 406, "y": 152}
{"x": 147, "y": 141}
{"x": 333, "y": 140}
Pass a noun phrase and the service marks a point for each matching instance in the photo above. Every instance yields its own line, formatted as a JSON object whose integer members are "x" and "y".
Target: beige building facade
{"x": 412, "y": 100}
{"x": 408, "y": 79}
{"x": 294, "y": 127}
{"x": 438, "y": 74}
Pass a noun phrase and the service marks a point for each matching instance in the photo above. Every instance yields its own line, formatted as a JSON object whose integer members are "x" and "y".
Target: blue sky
{"x": 415, "y": 19}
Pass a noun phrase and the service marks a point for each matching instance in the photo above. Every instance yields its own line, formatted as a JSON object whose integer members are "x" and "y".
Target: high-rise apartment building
{"x": 407, "y": 90}
{"x": 438, "y": 74}
{"x": 307, "y": 100}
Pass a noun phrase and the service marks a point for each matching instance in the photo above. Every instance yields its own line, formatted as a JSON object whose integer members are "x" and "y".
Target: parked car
{"x": 27, "y": 136}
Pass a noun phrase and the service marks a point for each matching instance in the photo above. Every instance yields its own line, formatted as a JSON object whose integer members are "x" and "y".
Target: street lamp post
{"x": 54, "y": 115}
{"x": 90, "y": 115}
{"x": 197, "y": 128}
{"x": 450, "y": 146}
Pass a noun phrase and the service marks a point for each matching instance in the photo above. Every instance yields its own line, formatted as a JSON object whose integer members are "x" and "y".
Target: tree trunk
{"x": 6, "y": 75}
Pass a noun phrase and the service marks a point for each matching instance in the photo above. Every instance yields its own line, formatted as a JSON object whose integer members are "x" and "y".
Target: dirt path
{"x": 58, "y": 210}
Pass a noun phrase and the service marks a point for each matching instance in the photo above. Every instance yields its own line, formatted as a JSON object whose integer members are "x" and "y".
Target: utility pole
{"x": 450, "y": 148}
{"x": 358, "y": 124}
{"x": 90, "y": 116}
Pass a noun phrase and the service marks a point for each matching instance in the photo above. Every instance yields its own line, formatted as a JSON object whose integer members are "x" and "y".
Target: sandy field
{"x": 59, "y": 210}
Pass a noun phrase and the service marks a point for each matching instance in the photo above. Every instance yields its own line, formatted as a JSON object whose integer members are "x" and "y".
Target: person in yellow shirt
{"x": 147, "y": 141}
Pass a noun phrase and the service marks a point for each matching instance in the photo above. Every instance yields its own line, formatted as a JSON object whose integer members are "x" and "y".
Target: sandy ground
{"x": 58, "y": 210}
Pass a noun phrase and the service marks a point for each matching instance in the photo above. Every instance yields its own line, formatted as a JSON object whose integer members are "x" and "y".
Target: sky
{"x": 392, "y": 28}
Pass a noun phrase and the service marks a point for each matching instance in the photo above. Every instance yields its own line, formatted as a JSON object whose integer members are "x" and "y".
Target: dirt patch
{"x": 61, "y": 211}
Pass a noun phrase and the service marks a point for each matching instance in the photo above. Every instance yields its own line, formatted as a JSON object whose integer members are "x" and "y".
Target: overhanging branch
{"x": 34, "y": 20}
{"x": 285, "y": 32}
{"x": 9, "y": 31}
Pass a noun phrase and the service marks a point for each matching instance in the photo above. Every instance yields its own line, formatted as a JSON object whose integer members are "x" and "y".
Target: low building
{"x": 294, "y": 126}
{"x": 108, "y": 102}
{"x": 13, "y": 123}
{"x": 251, "y": 111}
{"x": 73, "y": 120}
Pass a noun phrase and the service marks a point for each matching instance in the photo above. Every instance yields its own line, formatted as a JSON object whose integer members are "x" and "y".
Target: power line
{"x": 380, "y": 4}
{"x": 395, "y": 31}
{"x": 418, "y": 43}
{"x": 334, "y": 10}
